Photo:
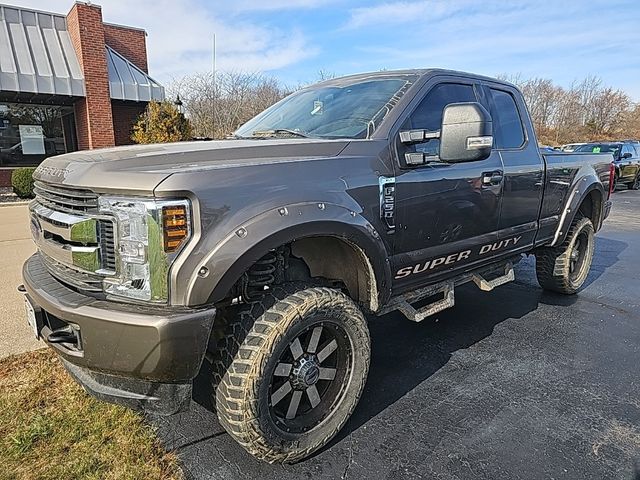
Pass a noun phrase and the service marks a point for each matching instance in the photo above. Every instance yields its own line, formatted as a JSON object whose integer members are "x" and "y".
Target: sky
{"x": 563, "y": 40}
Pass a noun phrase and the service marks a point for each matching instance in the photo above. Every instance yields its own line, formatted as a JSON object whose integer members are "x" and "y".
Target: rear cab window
{"x": 507, "y": 123}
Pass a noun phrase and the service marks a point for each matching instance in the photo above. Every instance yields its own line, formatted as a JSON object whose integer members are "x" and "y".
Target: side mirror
{"x": 626, "y": 155}
{"x": 466, "y": 134}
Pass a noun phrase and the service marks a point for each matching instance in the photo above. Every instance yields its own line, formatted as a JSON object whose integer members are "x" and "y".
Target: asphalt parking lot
{"x": 512, "y": 384}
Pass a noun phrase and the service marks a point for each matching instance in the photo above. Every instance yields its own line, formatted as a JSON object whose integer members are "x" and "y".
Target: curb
{"x": 14, "y": 204}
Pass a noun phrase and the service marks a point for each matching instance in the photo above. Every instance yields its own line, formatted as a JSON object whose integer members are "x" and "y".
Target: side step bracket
{"x": 404, "y": 302}
{"x": 488, "y": 285}
{"x": 414, "y": 315}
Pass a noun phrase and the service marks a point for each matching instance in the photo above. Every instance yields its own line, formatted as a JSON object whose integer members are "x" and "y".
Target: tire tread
{"x": 241, "y": 354}
{"x": 552, "y": 263}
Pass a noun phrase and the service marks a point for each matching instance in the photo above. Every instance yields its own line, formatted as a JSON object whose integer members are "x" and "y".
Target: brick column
{"x": 94, "y": 120}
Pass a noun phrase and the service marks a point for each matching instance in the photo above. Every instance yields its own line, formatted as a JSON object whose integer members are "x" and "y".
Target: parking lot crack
{"x": 198, "y": 440}
{"x": 231, "y": 464}
{"x": 345, "y": 473}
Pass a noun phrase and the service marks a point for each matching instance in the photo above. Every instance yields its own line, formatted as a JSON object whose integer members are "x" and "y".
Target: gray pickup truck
{"x": 262, "y": 253}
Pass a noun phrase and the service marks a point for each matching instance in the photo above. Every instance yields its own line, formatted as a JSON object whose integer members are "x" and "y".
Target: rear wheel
{"x": 565, "y": 268}
{"x": 289, "y": 370}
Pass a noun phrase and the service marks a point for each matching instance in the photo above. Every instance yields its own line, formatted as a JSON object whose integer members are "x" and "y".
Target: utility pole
{"x": 213, "y": 100}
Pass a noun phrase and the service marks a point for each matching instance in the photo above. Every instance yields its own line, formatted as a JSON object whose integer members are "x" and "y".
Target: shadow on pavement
{"x": 405, "y": 354}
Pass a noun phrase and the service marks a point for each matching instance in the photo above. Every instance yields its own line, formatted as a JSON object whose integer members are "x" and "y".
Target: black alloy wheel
{"x": 311, "y": 377}
{"x": 288, "y": 369}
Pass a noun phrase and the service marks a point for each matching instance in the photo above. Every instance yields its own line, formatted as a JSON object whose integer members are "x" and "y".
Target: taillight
{"x": 175, "y": 226}
{"x": 612, "y": 175}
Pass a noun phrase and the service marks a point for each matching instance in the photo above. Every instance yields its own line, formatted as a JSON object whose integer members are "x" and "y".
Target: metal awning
{"x": 128, "y": 82}
{"x": 38, "y": 58}
{"x": 36, "y": 54}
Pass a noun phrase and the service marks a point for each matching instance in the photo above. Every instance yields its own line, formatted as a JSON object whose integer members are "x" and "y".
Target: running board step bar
{"x": 488, "y": 285}
{"x": 446, "y": 289}
{"x": 414, "y": 315}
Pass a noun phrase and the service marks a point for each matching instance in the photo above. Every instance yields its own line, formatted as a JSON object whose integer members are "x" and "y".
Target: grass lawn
{"x": 51, "y": 429}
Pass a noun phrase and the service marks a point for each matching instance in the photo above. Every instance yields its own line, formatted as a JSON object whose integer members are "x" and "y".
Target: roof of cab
{"x": 417, "y": 72}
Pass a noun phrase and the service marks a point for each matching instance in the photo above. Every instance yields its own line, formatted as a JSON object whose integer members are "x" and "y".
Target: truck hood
{"x": 141, "y": 168}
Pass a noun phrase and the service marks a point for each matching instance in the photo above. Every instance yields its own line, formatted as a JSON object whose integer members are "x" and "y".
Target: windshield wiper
{"x": 276, "y": 131}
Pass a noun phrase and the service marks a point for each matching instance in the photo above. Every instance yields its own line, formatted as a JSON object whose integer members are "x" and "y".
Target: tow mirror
{"x": 412, "y": 137}
{"x": 466, "y": 134}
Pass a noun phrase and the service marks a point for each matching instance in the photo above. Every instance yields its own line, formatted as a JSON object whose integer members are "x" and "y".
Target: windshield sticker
{"x": 317, "y": 108}
{"x": 595, "y": 150}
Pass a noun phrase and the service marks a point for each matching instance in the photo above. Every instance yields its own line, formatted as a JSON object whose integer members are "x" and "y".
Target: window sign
{"x": 29, "y": 133}
{"x": 32, "y": 140}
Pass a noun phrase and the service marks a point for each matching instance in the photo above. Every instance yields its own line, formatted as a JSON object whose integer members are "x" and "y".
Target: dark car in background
{"x": 626, "y": 157}
{"x": 17, "y": 156}
{"x": 570, "y": 147}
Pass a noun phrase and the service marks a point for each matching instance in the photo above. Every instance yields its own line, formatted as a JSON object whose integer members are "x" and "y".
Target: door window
{"x": 507, "y": 124}
{"x": 428, "y": 114}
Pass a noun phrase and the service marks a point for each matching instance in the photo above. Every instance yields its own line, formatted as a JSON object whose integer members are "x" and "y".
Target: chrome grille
{"x": 73, "y": 278}
{"x": 76, "y": 243}
{"x": 65, "y": 199}
{"x": 107, "y": 245}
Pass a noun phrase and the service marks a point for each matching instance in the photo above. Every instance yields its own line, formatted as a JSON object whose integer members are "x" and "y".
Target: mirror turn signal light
{"x": 175, "y": 227}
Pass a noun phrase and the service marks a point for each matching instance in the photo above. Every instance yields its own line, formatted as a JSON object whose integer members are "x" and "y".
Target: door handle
{"x": 492, "y": 178}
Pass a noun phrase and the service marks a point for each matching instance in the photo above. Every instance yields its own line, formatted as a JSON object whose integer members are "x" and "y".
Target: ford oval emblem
{"x": 36, "y": 229}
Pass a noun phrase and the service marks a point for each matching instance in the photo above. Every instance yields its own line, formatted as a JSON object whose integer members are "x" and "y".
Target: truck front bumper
{"x": 144, "y": 357}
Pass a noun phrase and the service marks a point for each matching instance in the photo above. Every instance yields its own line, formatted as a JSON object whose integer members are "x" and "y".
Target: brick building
{"x": 68, "y": 83}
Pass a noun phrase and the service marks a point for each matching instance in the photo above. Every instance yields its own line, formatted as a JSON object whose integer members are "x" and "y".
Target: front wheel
{"x": 565, "y": 268}
{"x": 289, "y": 370}
{"x": 635, "y": 185}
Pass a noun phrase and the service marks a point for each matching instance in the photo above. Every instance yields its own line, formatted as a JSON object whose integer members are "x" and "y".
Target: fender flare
{"x": 252, "y": 240}
{"x": 579, "y": 191}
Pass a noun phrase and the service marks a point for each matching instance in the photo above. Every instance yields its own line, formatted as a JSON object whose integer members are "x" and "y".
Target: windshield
{"x": 599, "y": 148}
{"x": 354, "y": 110}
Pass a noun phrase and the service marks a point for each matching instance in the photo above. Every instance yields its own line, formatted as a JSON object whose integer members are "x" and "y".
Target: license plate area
{"x": 34, "y": 316}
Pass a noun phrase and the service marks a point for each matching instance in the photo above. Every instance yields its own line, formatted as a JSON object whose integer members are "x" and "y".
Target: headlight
{"x": 149, "y": 235}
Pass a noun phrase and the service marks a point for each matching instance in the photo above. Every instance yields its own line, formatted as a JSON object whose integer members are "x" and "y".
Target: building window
{"x": 30, "y": 133}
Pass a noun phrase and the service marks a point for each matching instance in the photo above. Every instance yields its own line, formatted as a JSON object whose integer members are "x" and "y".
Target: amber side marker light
{"x": 175, "y": 227}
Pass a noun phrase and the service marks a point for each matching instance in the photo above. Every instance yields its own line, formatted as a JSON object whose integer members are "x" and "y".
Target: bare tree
{"x": 608, "y": 107}
{"x": 631, "y": 122}
{"x": 324, "y": 74}
{"x": 586, "y": 111}
{"x": 218, "y": 108}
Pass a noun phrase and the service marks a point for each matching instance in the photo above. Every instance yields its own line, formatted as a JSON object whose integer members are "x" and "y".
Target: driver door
{"x": 445, "y": 211}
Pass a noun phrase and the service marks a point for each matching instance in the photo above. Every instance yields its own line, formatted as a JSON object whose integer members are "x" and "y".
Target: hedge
{"x": 22, "y": 182}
